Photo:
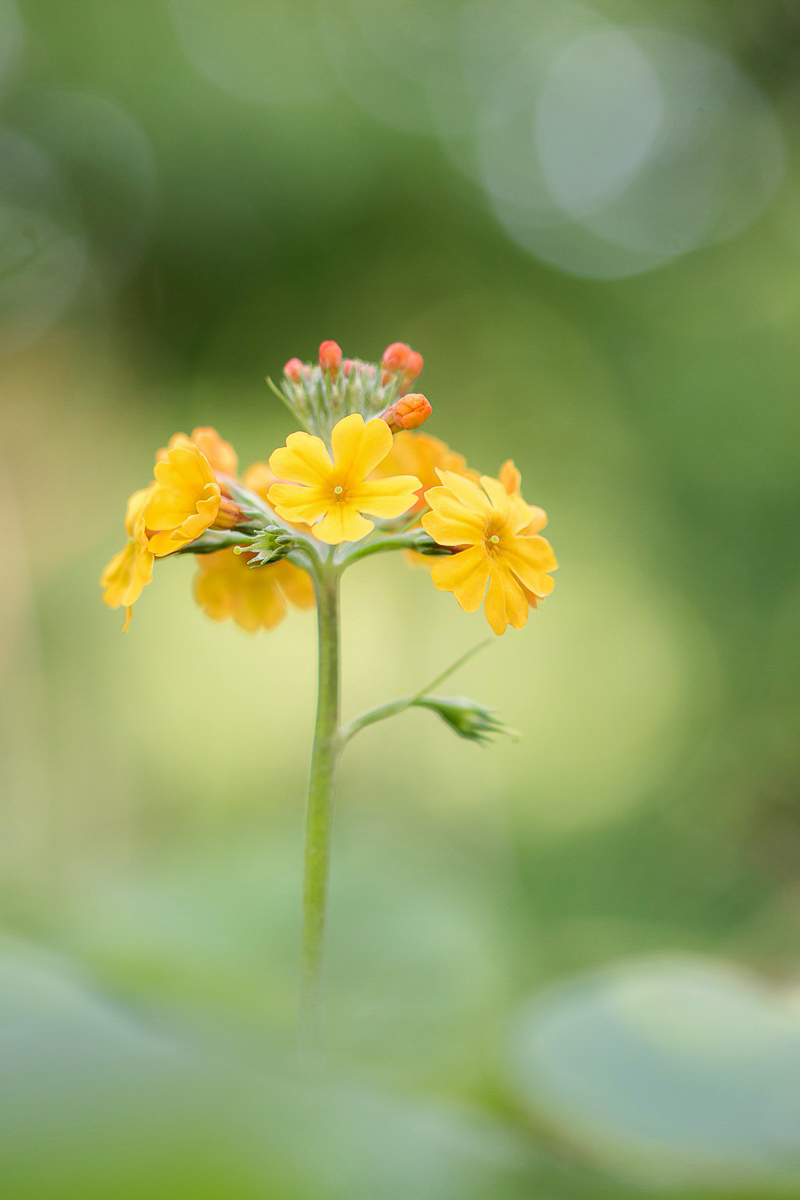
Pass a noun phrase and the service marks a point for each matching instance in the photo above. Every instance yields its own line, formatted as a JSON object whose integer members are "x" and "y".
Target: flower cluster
{"x": 357, "y": 463}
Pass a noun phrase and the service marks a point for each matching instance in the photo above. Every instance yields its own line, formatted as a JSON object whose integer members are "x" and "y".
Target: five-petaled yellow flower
{"x": 254, "y": 598}
{"x": 496, "y": 535}
{"x": 332, "y": 496}
{"x": 131, "y": 570}
{"x": 185, "y": 502}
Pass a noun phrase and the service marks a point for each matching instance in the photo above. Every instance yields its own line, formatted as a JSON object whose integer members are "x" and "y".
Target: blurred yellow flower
{"x": 494, "y": 532}
{"x": 255, "y": 598}
{"x": 185, "y": 501}
{"x": 259, "y": 479}
{"x": 333, "y": 495}
{"x": 221, "y": 456}
{"x": 131, "y": 570}
{"x": 420, "y": 454}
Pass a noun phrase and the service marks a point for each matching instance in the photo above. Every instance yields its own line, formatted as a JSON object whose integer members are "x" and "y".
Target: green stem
{"x": 395, "y": 707}
{"x": 414, "y": 540}
{"x": 324, "y": 760}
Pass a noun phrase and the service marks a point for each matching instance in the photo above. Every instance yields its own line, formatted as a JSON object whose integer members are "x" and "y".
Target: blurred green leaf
{"x": 671, "y": 1070}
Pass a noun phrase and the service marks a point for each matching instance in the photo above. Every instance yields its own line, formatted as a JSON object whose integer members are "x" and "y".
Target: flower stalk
{"x": 319, "y": 819}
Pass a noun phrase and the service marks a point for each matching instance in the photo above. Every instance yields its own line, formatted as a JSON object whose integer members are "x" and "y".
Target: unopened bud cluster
{"x": 269, "y": 545}
{"x": 322, "y": 393}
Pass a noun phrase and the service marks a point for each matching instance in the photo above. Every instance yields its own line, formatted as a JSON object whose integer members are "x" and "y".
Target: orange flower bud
{"x": 395, "y": 357}
{"x": 294, "y": 370}
{"x": 409, "y": 412}
{"x": 414, "y": 365}
{"x": 330, "y": 356}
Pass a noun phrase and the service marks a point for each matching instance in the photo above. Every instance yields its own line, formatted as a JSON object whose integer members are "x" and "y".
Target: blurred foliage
{"x": 191, "y": 192}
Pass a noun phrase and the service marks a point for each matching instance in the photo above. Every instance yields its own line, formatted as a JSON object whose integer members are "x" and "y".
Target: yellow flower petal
{"x": 127, "y": 575}
{"x": 496, "y": 493}
{"x": 516, "y": 601}
{"x": 359, "y": 447}
{"x": 342, "y": 524}
{"x": 465, "y": 575}
{"x": 304, "y": 459}
{"x": 298, "y": 504}
{"x": 509, "y": 477}
{"x": 184, "y": 468}
{"x": 295, "y": 584}
{"x": 450, "y": 523}
{"x": 505, "y": 601}
{"x": 134, "y": 511}
{"x": 221, "y": 455}
{"x": 526, "y": 519}
{"x": 465, "y": 490}
{"x": 260, "y": 606}
{"x": 385, "y": 497}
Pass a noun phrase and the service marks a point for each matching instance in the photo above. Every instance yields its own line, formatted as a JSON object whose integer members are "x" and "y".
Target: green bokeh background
{"x": 152, "y": 786}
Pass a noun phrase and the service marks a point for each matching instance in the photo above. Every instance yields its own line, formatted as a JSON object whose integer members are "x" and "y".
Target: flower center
{"x": 494, "y": 538}
{"x": 337, "y": 491}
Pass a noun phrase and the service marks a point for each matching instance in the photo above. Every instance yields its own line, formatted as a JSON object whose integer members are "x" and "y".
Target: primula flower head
{"x": 226, "y": 588}
{"x": 129, "y": 572}
{"x": 221, "y": 456}
{"x": 185, "y": 501}
{"x": 333, "y": 495}
{"x": 494, "y": 538}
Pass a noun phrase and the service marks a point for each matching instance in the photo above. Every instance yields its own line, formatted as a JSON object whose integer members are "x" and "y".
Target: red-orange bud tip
{"x": 396, "y": 356}
{"x": 330, "y": 356}
{"x": 294, "y": 370}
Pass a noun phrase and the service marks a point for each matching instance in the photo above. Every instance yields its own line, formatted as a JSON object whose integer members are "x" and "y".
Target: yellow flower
{"x": 255, "y": 598}
{"x": 496, "y": 535}
{"x": 131, "y": 570}
{"x": 221, "y": 456}
{"x": 185, "y": 501}
{"x": 420, "y": 454}
{"x": 333, "y": 495}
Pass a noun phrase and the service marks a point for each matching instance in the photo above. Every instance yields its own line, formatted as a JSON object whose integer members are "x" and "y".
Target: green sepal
{"x": 269, "y": 545}
{"x": 211, "y": 541}
{"x": 467, "y": 718}
{"x": 424, "y": 544}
